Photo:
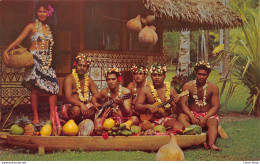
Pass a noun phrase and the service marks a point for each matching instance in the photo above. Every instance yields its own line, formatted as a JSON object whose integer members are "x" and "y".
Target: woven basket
{"x": 20, "y": 58}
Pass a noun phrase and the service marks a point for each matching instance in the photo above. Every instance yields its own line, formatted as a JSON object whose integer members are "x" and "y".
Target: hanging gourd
{"x": 143, "y": 21}
{"x": 153, "y": 27}
{"x": 148, "y": 37}
{"x": 134, "y": 24}
{"x": 150, "y": 19}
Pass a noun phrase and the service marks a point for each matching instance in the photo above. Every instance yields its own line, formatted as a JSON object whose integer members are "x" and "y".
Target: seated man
{"x": 202, "y": 104}
{"x": 160, "y": 92}
{"x": 115, "y": 91}
{"x": 139, "y": 76}
{"x": 76, "y": 87}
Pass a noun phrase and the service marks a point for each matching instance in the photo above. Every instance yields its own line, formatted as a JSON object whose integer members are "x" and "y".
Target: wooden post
{"x": 41, "y": 150}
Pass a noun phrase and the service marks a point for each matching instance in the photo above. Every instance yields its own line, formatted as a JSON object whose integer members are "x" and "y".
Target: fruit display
{"x": 104, "y": 127}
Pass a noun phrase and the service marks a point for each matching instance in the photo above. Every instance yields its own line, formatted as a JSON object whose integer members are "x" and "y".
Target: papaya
{"x": 46, "y": 129}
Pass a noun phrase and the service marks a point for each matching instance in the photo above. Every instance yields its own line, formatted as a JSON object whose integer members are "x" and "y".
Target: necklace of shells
{"x": 79, "y": 90}
{"x": 167, "y": 94}
{"x": 195, "y": 94}
{"x": 115, "y": 109}
{"x": 135, "y": 88}
{"x": 44, "y": 55}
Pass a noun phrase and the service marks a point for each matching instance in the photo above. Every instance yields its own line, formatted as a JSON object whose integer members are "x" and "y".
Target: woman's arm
{"x": 20, "y": 38}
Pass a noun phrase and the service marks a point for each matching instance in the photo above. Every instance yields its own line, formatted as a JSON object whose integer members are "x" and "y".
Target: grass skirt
{"x": 40, "y": 78}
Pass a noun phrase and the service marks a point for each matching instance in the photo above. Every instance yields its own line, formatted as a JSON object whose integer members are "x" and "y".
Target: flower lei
{"x": 43, "y": 57}
{"x": 167, "y": 94}
{"x": 79, "y": 91}
{"x": 119, "y": 94}
{"x": 195, "y": 94}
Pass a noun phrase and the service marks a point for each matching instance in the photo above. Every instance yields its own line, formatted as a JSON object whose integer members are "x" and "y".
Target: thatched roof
{"x": 193, "y": 14}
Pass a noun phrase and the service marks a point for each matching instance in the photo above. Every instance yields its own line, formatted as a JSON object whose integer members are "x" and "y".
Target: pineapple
{"x": 29, "y": 130}
{"x": 25, "y": 123}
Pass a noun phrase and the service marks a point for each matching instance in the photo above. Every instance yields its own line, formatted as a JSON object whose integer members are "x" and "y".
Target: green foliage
{"x": 244, "y": 55}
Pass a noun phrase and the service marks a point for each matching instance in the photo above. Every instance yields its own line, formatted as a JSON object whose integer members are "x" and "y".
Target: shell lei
{"x": 79, "y": 91}
{"x": 195, "y": 95}
{"x": 44, "y": 55}
{"x": 115, "y": 109}
{"x": 167, "y": 94}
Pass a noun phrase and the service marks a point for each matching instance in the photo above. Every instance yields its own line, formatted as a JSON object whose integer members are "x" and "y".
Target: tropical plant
{"x": 244, "y": 53}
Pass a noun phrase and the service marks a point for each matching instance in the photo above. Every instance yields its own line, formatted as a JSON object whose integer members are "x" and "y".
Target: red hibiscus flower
{"x": 105, "y": 136}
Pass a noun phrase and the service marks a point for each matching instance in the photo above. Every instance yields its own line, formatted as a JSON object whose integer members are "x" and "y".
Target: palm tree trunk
{"x": 226, "y": 59}
{"x": 183, "y": 68}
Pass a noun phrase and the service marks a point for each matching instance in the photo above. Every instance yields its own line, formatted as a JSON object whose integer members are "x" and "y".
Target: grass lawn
{"x": 243, "y": 145}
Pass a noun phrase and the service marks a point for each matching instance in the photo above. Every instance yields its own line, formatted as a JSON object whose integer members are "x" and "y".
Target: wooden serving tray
{"x": 97, "y": 143}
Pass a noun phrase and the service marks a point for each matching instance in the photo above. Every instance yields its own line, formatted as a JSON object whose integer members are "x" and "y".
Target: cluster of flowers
{"x": 139, "y": 69}
{"x": 158, "y": 68}
{"x": 202, "y": 63}
{"x": 82, "y": 57}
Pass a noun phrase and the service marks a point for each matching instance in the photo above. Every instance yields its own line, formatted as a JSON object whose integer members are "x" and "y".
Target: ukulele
{"x": 110, "y": 102}
{"x": 149, "y": 116}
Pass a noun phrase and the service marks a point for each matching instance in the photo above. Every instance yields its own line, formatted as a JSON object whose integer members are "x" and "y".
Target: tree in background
{"x": 244, "y": 53}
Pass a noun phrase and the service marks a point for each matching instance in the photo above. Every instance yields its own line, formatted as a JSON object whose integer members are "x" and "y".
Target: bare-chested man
{"x": 202, "y": 104}
{"x": 158, "y": 91}
{"x": 76, "y": 87}
{"x": 139, "y": 76}
{"x": 114, "y": 91}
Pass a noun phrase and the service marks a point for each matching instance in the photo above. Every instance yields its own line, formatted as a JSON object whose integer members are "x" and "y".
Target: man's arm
{"x": 125, "y": 105}
{"x": 184, "y": 101}
{"x": 214, "y": 103}
{"x": 95, "y": 94}
{"x": 68, "y": 91}
{"x": 175, "y": 97}
{"x": 140, "y": 105}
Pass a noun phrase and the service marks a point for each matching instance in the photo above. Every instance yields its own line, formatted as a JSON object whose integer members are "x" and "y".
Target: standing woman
{"x": 41, "y": 76}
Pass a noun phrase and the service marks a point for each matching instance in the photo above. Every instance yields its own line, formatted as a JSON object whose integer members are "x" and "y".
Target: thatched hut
{"x": 98, "y": 28}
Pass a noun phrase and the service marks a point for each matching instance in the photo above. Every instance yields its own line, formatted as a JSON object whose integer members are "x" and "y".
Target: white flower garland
{"x": 195, "y": 94}
{"x": 167, "y": 94}
{"x": 43, "y": 56}
{"x": 79, "y": 91}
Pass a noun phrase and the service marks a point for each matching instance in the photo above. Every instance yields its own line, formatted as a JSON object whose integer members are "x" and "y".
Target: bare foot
{"x": 206, "y": 146}
{"x": 214, "y": 147}
{"x": 35, "y": 122}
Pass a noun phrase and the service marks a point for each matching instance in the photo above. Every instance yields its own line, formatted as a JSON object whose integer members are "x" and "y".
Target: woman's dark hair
{"x": 45, "y": 5}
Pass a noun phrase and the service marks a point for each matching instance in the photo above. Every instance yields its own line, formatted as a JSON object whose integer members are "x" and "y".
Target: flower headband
{"x": 50, "y": 10}
{"x": 82, "y": 57}
{"x": 139, "y": 69}
{"x": 109, "y": 70}
{"x": 202, "y": 63}
{"x": 158, "y": 68}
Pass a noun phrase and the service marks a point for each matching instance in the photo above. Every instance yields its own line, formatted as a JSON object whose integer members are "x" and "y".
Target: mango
{"x": 16, "y": 130}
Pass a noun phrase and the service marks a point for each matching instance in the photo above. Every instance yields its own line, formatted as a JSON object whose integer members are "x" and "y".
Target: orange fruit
{"x": 108, "y": 124}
